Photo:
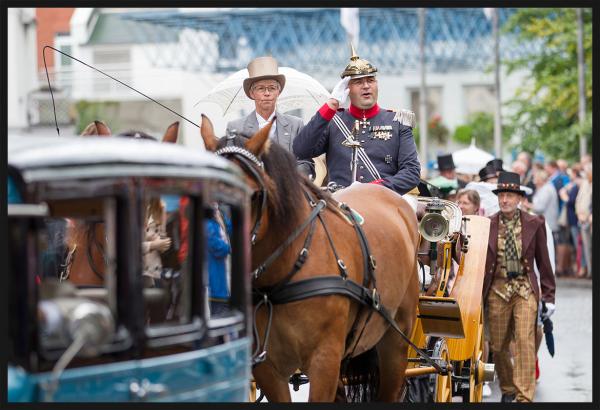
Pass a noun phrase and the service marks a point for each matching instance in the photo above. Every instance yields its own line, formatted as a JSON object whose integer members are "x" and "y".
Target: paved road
{"x": 566, "y": 377}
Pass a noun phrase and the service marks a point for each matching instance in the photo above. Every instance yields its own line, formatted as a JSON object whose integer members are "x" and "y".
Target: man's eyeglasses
{"x": 261, "y": 89}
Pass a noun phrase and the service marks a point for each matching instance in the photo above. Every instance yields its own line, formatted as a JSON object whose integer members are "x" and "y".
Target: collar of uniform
{"x": 360, "y": 113}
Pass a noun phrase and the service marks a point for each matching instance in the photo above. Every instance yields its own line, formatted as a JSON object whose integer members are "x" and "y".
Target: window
{"x": 166, "y": 260}
{"x": 479, "y": 98}
{"x": 434, "y": 102}
{"x": 75, "y": 263}
{"x": 64, "y": 60}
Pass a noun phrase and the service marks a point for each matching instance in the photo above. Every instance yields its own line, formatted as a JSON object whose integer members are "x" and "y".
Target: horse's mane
{"x": 284, "y": 190}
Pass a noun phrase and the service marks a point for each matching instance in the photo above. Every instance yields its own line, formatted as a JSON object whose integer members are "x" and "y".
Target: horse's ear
{"x": 171, "y": 133}
{"x": 90, "y": 130}
{"x": 260, "y": 142}
{"x": 102, "y": 129}
{"x": 207, "y": 132}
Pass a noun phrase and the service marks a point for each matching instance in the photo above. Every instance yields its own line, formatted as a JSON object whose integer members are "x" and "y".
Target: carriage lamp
{"x": 434, "y": 226}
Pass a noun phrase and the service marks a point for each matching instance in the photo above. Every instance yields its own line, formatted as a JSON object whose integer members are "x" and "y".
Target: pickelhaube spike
{"x": 358, "y": 67}
{"x": 354, "y": 56}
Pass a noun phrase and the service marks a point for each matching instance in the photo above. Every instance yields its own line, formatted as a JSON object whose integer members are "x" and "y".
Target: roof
{"x": 110, "y": 28}
{"x": 60, "y": 158}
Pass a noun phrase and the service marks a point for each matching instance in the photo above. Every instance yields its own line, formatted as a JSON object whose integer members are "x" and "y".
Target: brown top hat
{"x": 509, "y": 182}
{"x": 263, "y": 68}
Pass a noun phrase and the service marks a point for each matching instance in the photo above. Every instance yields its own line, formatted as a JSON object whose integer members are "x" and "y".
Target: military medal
{"x": 388, "y": 159}
{"x": 382, "y": 132}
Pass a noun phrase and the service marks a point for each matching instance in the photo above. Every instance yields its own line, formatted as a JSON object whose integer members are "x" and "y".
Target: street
{"x": 566, "y": 377}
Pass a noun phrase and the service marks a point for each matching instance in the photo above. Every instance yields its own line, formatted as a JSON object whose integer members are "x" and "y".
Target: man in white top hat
{"x": 264, "y": 85}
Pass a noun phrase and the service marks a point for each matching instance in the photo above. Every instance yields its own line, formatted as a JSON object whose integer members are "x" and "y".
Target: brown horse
{"x": 319, "y": 334}
{"x": 86, "y": 241}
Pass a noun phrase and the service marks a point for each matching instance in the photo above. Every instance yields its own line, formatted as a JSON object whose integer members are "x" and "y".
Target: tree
{"x": 544, "y": 109}
{"x": 480, "y": 125}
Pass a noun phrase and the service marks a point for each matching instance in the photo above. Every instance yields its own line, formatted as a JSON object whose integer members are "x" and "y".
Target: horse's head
{"x": 97, "y": 128}
{"x": 270, "y": 173}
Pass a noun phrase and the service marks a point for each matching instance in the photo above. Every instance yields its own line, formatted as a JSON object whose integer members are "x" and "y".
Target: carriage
{"x": 450, "y": 318}
{"x": 103, "y": 335}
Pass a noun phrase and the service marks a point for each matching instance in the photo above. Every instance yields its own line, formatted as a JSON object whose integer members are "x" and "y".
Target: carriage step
{"x": 440, "y": 316}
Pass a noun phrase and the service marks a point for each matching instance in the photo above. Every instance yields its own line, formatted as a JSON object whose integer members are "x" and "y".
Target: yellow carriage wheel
{"x": 475, "y": 380}
{"x": 442, "y": 384}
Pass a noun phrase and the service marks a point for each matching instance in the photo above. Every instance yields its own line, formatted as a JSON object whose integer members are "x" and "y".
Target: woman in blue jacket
{"x": 218, "y": 228}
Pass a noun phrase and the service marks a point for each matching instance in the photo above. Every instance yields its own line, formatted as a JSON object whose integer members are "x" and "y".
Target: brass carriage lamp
{"x": 434, "y": 226}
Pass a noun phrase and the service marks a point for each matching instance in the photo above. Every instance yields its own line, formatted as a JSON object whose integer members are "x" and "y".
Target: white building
{"x": 22, "y": 76}
{"x": 125, "y": 51}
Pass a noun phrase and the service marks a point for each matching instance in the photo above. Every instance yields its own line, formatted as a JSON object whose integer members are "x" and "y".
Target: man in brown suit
{"x": 510, "y": 288}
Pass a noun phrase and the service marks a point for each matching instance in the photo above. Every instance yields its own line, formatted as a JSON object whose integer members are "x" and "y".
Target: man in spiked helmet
{"x": 381, "y": 140}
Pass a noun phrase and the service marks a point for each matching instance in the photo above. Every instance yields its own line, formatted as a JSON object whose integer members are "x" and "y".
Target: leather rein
{"x": 285, "y": 291}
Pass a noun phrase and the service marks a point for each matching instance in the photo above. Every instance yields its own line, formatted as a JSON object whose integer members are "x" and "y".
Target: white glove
{"x": 550, "y": 308}
{"x": 340, "y": 91}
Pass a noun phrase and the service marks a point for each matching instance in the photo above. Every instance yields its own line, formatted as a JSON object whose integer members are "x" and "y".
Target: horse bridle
{"x": 252, "y": 164}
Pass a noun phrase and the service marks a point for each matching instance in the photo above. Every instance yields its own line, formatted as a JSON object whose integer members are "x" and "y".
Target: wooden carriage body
{"x": 450, "y": 321}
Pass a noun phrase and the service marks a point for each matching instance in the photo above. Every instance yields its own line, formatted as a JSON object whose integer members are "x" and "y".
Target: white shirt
{"x": 262, "y": 122}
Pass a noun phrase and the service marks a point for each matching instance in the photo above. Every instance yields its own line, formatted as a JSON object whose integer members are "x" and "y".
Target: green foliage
{"x": 545, "y": 108}
{"x": 417, "y": 136}
{"x": 480, "y": 125}
{"x": 89, "y": 111}
{"x": 463, "y": 134}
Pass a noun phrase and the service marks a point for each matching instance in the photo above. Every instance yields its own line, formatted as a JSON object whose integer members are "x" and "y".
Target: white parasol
{"x": 470, "y": 160}
{"x": 300, "y": 91}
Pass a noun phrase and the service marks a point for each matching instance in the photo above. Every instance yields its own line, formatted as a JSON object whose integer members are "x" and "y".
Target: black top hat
{"x": 496, "y": 163}
{"x": 509, "y": 182}
{"x": 445, "y": 162}
{"x": 487, "y": 172}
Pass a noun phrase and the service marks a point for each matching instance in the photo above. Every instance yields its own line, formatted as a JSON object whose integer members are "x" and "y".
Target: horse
{"x": 324, "y": 335}
{"x": 85, "y": 260}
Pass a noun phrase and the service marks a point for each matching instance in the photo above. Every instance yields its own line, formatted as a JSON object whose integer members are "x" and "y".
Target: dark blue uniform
{"x": 388, "y": 143}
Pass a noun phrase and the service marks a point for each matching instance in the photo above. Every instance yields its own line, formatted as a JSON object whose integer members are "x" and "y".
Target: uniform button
{"x": 363, "y": 132}
{"x": 361, "y": 167}
{"x": 361, "y": 177}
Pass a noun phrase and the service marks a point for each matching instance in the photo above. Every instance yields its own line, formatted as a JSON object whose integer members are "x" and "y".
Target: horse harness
{"x": 285, "y": 291}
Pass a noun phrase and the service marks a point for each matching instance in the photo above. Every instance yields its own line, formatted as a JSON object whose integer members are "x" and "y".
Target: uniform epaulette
{"x": 405, "y": 117}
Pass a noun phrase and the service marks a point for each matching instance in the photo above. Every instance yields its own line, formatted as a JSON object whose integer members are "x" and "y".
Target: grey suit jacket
{"x": 288, "y": 126}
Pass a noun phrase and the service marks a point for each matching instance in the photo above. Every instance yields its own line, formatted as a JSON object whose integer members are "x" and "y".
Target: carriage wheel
{"x": 475, "y": 392}
{"x": 442, "y": 384}
{"x": 252, "y": 392}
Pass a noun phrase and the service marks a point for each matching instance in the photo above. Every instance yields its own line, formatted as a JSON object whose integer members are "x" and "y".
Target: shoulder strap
{"x": 361, "y": 151}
